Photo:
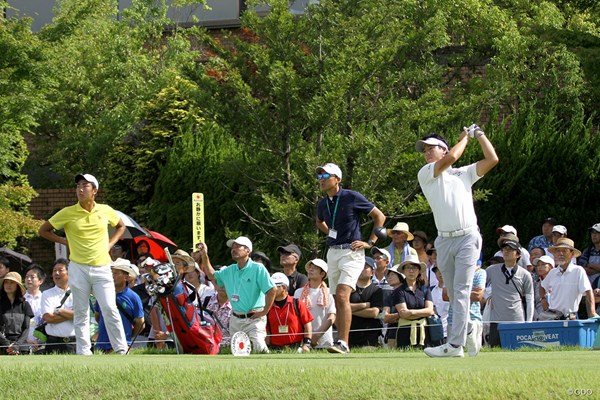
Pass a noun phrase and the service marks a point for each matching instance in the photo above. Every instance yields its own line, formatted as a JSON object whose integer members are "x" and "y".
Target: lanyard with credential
{"x": 287, "y": 315}
{"x": 334, "y": 211}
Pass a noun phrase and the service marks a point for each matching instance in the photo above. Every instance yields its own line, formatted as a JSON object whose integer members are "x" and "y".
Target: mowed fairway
{"x": 379, "y": 375}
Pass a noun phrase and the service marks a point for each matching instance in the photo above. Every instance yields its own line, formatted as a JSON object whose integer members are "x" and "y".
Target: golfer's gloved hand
{"x": 472, "y": 129}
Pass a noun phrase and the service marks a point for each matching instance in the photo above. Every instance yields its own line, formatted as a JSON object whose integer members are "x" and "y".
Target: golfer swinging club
{"x": 458, "y": 245}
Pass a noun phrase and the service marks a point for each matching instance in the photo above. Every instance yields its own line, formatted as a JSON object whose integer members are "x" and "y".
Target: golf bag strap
{"x": 65, "y": 297}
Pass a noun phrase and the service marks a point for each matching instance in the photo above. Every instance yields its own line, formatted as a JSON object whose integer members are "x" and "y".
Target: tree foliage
{"x": 22, "y": 84}
{"x": 245, "y": 116}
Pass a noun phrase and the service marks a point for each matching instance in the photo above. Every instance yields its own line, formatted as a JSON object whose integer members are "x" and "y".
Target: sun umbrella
{"x": 156, "y": 242}
{"x": 132, "y": 228}
{"x": 15, "y": 258}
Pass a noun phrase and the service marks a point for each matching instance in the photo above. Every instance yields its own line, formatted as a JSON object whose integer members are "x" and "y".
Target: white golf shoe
{"x": 474, "y": 338}
{"x": 445, "y": 350}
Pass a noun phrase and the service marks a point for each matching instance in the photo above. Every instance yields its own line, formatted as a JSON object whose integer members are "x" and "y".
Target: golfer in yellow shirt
{"x": 86, "y": 227}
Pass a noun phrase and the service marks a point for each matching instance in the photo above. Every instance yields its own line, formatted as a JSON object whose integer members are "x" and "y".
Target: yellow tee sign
{"x": 197, "y": 218}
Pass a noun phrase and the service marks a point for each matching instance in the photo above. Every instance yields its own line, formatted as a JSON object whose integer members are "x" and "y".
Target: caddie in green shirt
{"x": 249, "y": 289}
{"x": 86, "y": 228}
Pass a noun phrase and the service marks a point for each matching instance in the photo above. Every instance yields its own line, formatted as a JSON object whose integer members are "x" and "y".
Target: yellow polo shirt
{"x": 87, "y": 232}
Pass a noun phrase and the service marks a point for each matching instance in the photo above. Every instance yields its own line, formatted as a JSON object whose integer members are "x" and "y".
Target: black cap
{"x": 290, "y": 248}
{"x": 512, "y": 244}
{"x": 550, "y": 220}
{"x": 262, "y": 257}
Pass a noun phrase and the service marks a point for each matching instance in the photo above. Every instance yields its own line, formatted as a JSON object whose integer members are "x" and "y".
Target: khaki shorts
{"x": 345, "y": 266}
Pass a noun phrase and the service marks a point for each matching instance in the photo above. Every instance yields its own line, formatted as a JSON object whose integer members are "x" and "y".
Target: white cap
{"x": 319, "y": 263}
{"x": 595, "y": 227}
{"x": 382, "y": 251}
{"x": 507, "y": 229}
{"x": 88, "y": 177}
{"x": 431, "y": 141}
{"x": 545, "y": 259}
{"x": 560, "y": 229}
{"x": 279, "y": 279}
{"x": 331, "y": 168}
{"x": 242, "y": 241}
{"x": 149, "y": 262}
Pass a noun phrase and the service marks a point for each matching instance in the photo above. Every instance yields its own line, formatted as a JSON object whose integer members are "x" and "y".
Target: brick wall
{"x": 43, "y": 207}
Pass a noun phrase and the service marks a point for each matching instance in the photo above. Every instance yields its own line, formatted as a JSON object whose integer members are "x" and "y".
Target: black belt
{"x": 249, "y": 315}
{"x": 58, "y": 339}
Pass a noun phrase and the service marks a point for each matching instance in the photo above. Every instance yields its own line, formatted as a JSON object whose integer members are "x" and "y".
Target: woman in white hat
{"x": 413, "y": 303}
{"x": 15, "y": 315}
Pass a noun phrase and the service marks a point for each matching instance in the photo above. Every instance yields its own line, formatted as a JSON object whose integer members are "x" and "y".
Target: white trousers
{"x": 83, "y": 281}
{"x": 457, "y": 259}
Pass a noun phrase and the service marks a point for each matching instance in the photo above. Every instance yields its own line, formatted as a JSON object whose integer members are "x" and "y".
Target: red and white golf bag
{"x": 187, "y": 322}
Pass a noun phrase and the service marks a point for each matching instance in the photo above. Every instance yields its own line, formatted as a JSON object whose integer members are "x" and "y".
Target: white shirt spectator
{"x": 36, "y": 306}
{"x": 566, "y": 288}
{"x": 319, "y": 314}
{"x": 51, "y": 299}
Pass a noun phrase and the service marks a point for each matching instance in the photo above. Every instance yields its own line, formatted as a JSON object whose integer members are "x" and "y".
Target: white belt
{"x": 457, "y": 233}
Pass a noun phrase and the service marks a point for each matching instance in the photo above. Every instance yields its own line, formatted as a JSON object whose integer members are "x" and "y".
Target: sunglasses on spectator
{"x": 323, "y": 176}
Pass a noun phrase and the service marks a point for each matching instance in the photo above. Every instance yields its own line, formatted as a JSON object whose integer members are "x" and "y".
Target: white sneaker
{"x": 474, "y": 339}
{"x": 445, "y": 350}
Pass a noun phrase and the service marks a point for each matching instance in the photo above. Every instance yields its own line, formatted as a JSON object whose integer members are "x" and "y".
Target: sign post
{"x": 197, "y": 218}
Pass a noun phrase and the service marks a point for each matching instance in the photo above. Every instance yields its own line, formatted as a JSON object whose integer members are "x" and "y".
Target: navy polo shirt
{"x": 347, "y": 218}
{"x": 414, "y": 300}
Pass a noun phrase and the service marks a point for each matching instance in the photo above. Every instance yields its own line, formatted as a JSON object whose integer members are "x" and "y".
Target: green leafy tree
{"x": 22, "y": 88}
{"x": 106, "y": 70}
{"x": 138, "y": 158}
{"x": 354, "y": 83}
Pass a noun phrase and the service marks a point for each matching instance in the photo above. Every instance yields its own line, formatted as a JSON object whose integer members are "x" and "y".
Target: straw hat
{"x": 402, "y": 227}
{"x": 564, "y": 243}
{"x": 124, "y": 265}
{"x": 186, "y": 259}
{"x": 15, "y": 277}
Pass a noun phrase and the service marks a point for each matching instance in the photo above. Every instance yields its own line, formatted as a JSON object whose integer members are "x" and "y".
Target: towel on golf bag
{"x": 194, "y": 332}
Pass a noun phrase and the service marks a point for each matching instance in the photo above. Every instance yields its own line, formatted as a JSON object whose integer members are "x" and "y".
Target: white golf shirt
{"x": 450, "y": 196}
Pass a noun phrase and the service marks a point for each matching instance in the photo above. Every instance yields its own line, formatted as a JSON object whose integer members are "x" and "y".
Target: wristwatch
{"x": 371, "y": 242}
{"x": 307, "y": 341}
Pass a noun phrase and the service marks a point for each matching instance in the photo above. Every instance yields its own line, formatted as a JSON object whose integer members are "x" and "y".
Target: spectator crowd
{"x": 280, "y": 305}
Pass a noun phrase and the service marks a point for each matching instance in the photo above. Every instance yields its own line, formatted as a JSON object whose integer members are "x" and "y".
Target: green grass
{"x": 380, "y": 374}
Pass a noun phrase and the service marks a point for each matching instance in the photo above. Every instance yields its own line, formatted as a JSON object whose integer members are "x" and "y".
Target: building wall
{"x": 220, "y": 14}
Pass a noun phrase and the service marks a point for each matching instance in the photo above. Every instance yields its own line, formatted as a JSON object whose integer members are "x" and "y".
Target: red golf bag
{"x": 195, "y": 334}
